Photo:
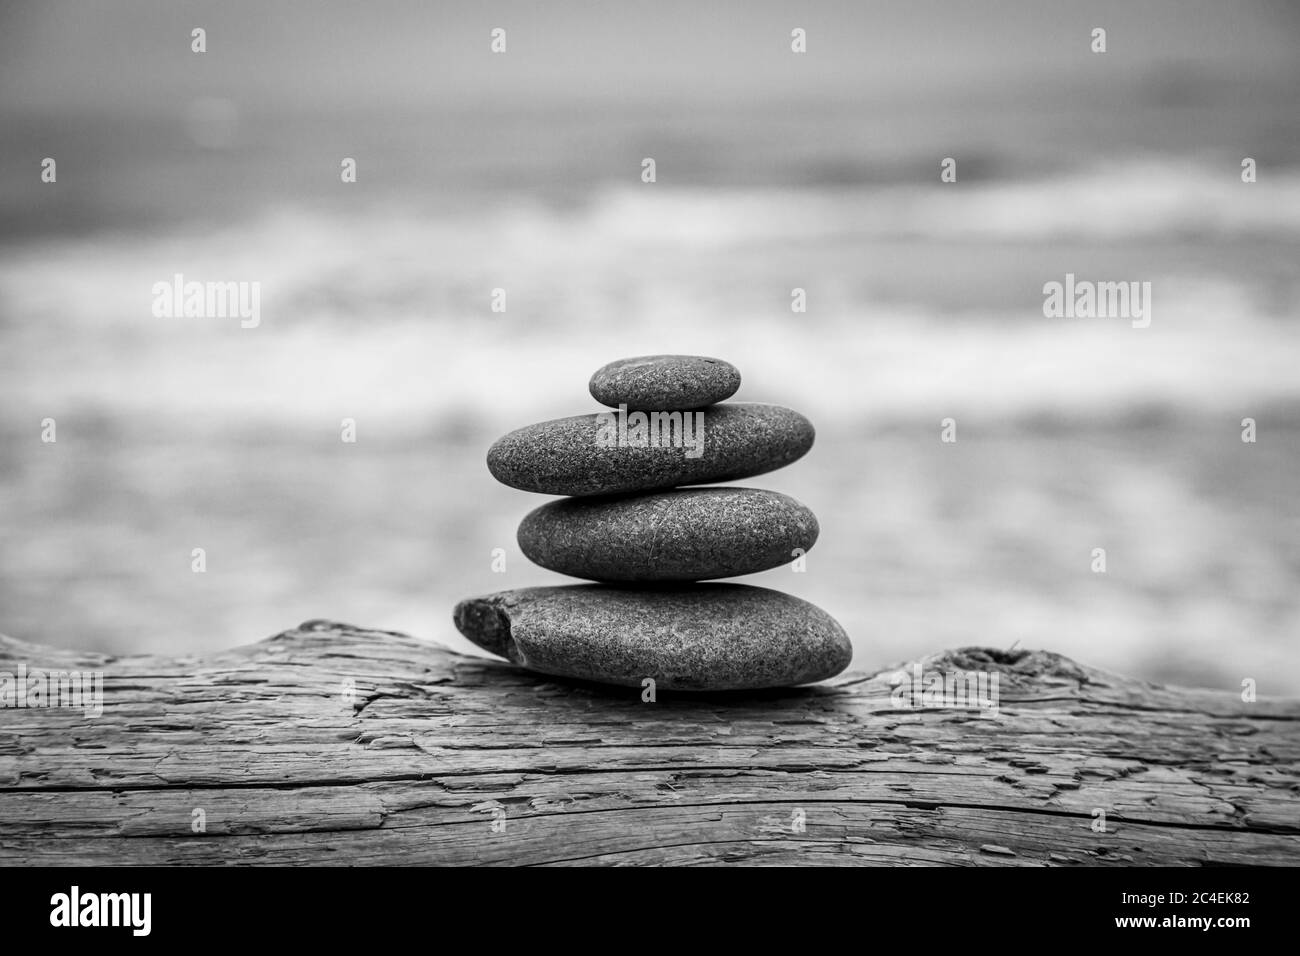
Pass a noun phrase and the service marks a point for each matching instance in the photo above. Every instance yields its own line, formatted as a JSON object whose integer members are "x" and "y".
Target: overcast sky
{"x": 134, "y": 55}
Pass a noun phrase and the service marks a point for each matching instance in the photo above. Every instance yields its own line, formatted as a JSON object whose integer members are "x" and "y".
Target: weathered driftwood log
{"x": 332, "y": 744}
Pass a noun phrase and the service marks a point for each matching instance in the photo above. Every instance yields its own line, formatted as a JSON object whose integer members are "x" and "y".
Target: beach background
{"x": 774, "y": 171}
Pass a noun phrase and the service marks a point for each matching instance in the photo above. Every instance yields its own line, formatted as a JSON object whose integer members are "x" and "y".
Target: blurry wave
{"x": 1126, "y": 201}
{"x": 387, "y": 310}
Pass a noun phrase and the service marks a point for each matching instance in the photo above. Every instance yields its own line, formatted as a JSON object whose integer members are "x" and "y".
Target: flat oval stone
{"x": 698, "y": 637}
{"x": 664, "y": 382}
{"x": 689, "y": 534}
{"x": 607, "y": 453}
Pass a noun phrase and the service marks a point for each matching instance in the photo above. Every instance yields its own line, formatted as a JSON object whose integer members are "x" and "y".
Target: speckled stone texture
{"x": 690, "y": 534}
{"x": 562, "y": 457}
{"x": 664, "y": 382}
{"x": 694, "y": 637}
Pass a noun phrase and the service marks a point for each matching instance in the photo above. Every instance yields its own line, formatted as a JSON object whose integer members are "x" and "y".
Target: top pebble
{"x": 664, "y": 383}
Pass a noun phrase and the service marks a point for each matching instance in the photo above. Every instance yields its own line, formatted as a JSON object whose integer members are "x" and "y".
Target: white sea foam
{"x": 385, "y": 313}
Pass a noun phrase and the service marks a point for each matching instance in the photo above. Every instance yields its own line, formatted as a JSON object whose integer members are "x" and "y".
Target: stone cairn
{"x": 627, "y": 522}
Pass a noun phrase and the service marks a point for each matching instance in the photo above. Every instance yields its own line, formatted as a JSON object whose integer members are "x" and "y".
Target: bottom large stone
{"x": 697, "y": 637}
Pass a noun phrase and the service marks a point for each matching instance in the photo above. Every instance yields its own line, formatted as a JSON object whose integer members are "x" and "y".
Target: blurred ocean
{"x": 924, "y": 302}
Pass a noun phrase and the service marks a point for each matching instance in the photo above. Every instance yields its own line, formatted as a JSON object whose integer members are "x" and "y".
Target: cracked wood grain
{"x": 331, "y": 744}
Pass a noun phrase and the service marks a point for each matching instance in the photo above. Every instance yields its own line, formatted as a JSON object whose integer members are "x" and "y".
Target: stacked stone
{"x": 627, "y": 522}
